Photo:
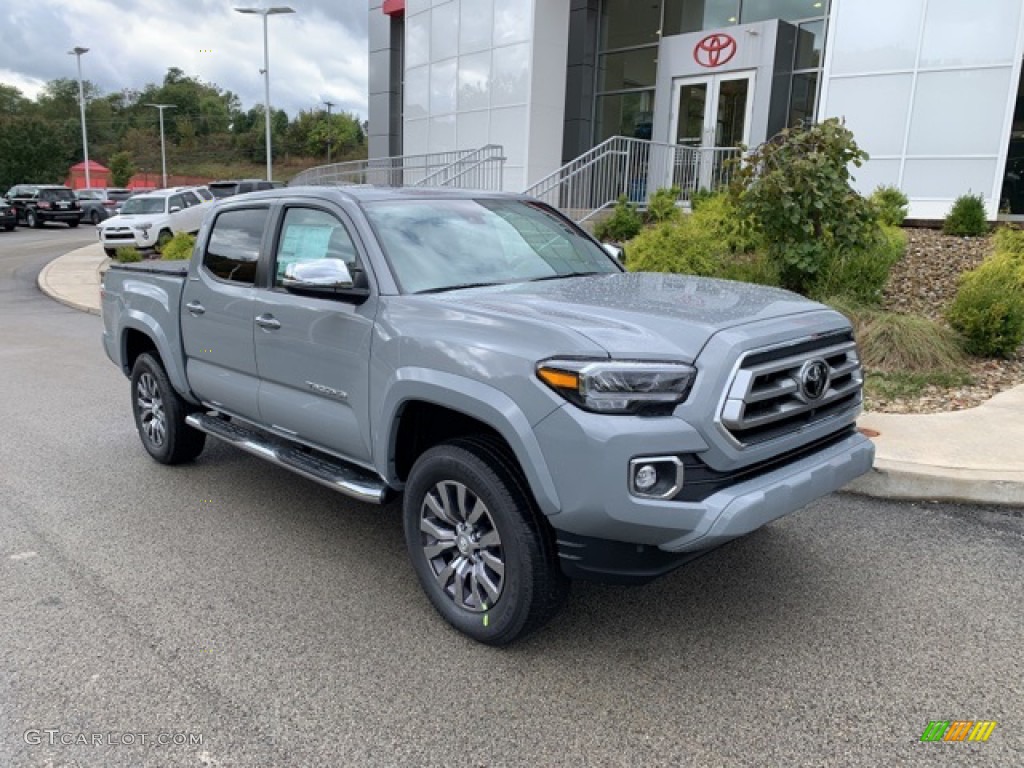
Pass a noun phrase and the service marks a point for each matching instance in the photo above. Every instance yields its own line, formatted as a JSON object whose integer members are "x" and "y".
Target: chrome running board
{"x": 324, "y": 469}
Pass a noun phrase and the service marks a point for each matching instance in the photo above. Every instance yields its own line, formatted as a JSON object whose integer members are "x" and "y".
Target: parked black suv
{"x": 238, "y": 186}
{"x": 8, "y": 216}
{"x": 37, "y": 204}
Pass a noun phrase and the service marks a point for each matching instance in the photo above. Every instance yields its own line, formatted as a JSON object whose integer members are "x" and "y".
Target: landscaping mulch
{"x": 924, "y": 282}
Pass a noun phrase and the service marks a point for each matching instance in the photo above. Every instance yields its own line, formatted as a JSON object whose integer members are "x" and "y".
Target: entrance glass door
{"x": 711, "y": 116}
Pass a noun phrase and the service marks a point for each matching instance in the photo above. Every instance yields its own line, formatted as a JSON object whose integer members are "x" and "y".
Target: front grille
{"x": 775, "y": 392}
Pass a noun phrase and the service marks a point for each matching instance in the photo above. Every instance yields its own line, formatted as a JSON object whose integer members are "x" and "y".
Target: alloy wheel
{"x": 151, "y": 409}
{"x": 462, "y": 546}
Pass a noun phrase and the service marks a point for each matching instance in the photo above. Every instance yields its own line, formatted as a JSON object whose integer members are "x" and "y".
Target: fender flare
{"x": 133, "y": 320}
{"x": 475, "y": 399}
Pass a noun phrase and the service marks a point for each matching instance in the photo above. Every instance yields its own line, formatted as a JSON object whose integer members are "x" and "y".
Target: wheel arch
{"x": 139, "y": 334}
{"x": 424, "y": 408}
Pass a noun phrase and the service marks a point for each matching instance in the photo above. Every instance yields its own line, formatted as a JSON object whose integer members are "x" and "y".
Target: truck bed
{"x": 155, "y": 267}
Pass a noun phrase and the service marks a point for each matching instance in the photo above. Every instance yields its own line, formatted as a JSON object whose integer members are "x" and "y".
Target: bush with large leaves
{"x": 796, "y": 191}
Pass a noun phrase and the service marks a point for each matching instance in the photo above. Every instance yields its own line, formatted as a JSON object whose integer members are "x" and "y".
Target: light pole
{"x": 265, "y": 12}
{"x": 163, "y": 152}
{"x": 77, "y": 52}
{"x": 329, "y": 105}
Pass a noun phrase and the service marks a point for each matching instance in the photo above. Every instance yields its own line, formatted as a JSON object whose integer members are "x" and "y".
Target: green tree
{"x": 122, "y": 168}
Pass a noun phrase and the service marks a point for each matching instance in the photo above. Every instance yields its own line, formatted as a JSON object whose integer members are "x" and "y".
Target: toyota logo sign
{"x": 814, "y": 380}
{"x": 715, "y": 50}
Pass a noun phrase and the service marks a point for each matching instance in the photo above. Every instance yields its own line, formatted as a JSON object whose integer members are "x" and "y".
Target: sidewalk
{"x": 972, "y": 456}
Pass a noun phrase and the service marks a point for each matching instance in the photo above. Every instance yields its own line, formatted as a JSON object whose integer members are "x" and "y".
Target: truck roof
{"x": 365, "y": 193}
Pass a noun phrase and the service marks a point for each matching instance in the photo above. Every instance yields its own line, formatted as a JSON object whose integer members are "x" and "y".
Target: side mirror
{"x": 175, "y": 208}
{"x": 617, "y": 253}
{"x": 322, "y": 276}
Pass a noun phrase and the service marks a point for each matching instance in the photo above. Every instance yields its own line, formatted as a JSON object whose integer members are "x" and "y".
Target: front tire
{"x": 162, "y": 240}
{"x": 478, "y": 544}
{"x": 160, "y": 415}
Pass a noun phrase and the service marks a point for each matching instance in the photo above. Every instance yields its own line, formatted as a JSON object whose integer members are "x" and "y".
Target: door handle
{"x": 268, "y": 322}
{"x": 195, "y": 308}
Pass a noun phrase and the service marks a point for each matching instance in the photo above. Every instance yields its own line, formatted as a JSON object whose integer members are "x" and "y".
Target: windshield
{"x": 434, "y": 245}
{"x": 143, "y": 205}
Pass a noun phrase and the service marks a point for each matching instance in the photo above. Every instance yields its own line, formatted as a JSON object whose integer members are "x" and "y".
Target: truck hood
{"x": 636, "y": 315}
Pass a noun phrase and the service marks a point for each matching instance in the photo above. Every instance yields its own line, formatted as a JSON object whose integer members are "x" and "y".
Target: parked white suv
{"x": 150, "y": 220}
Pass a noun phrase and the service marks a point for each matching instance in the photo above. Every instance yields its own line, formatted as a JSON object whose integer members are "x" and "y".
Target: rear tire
{"x": 94, "y": 217}
{"x": 32, "y": 220}
{"x": 478, "y": 544}
{"x": 160, "y": 415}
{"x": 73, "y": 224}
{"x": 111, "y": 252}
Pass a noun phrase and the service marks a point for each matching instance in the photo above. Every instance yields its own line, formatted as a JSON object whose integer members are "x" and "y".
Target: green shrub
{"x": 967, "y": 217}
{"x": 890, "y": 204}
{"x": 662, "y": 205}
{"x": 712, "y": 241}
{"x": 624, "y": 223}
{"x": 127, "y": 255}
{"x": 698, "y": 197}
{"x": 677, "y": 246}
{"x": 178, "y": 247}
{"x": 860, "y": 274}
{"x": 989, "y": 307}
{"x": 1010, "y": 241}
{"x": 796, "y": 190}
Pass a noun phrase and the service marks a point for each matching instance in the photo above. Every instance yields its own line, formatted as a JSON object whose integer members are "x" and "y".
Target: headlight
{"x": 144, "y": 226}
{"x": 619, "y": 387}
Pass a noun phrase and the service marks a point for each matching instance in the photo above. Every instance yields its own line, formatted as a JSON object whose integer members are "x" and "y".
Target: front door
{"x": 710, "y": 118}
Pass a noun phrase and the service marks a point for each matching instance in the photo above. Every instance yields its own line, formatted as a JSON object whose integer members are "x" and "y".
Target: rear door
{"x": 313, "y": 352}
{"x": 217, "y": 313}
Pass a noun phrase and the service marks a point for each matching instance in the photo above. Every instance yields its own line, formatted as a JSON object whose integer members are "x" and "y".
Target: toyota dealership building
{"x": 931, "y": 88}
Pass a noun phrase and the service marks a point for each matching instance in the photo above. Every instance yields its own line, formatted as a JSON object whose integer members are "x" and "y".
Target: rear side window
{"x": 234, "y": 245}
{"x": 204, "y": 193}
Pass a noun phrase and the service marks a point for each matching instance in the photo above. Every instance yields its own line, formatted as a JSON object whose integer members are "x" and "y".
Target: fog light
{"x": 656, "y": 477}
{"x": 646, "y": 477}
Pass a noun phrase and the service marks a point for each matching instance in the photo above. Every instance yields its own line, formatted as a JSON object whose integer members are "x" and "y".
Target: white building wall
{"x": 483, "y": 72}
{"x": 928, "y": 88}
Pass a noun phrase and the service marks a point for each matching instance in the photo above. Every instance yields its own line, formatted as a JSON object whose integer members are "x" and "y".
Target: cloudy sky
{"x": 318, "y": 53}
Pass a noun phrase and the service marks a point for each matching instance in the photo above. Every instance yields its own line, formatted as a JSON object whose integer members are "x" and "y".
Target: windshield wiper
{"x": 444, "y": 288}
{"x": 571, "y": 274}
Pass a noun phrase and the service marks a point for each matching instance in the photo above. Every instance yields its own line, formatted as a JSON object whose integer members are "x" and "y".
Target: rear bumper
{"x": 59, "y": 215}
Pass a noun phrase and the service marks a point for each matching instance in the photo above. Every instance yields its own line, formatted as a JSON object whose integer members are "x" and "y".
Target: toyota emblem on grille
{"x": 814, "y": 379}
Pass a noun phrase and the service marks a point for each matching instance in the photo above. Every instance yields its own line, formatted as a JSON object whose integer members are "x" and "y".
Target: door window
{"x": 234, "y": 246}
{"x": 309, "y": 234}
{"x": 190, "y": 199}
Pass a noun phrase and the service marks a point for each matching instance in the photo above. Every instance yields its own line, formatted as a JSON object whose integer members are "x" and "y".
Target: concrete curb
{"x": 59, "y": 279}
{"x": 891, "y": 480}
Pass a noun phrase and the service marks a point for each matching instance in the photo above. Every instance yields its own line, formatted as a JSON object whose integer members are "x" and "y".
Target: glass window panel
{"x": 787, "y": 10}
{"x": 1013, "y": 182}
{"x": 629, "y": 69}
{"x": 417, "y": 40}
{"x": 958, "y": 33}
{"x": 731, "y": 120}
{"x": 629, "y": 22}
{"x": 309, "y": 235}
{"x": 510, "y": 75}
{"x": 625, "y": 114}
{"x": 871, "y": 36}
{"x": 512, "y": 21}
{"x": 442, "y": 87}
{"x": 475, "y": 81}
{"x": 234, "y": 246}
{"x": 682, "y": 16}
{"x": 444, "y": 32}
{"x": 809, "y": 42}
{"x": 417, "y": 92}
{"x": 475, "y": 23}
{"x": 857, "y": 99}
{"x": 802, "y": 98}
{"x": 693, "y": 100}
{"x": 959, "y": 113}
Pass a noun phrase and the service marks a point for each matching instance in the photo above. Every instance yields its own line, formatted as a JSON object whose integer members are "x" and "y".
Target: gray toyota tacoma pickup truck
{"x": 544, "y": 414}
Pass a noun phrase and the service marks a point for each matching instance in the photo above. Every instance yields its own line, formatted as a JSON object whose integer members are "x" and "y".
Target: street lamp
{"x": 163, "y": 152}
{"x": 265, "y": 12}
{"x": 77, "y": 52}
{"x": 329, "y": 105}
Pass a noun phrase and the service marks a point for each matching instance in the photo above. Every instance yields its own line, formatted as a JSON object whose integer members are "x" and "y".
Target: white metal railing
{"x": 470, "y": 169}
{"x": 634, "y": 168}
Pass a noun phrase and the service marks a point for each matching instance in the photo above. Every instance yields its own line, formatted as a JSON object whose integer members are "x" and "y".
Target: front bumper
{"x": 598, "y": 514}
{"x": 128, "y": 237}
